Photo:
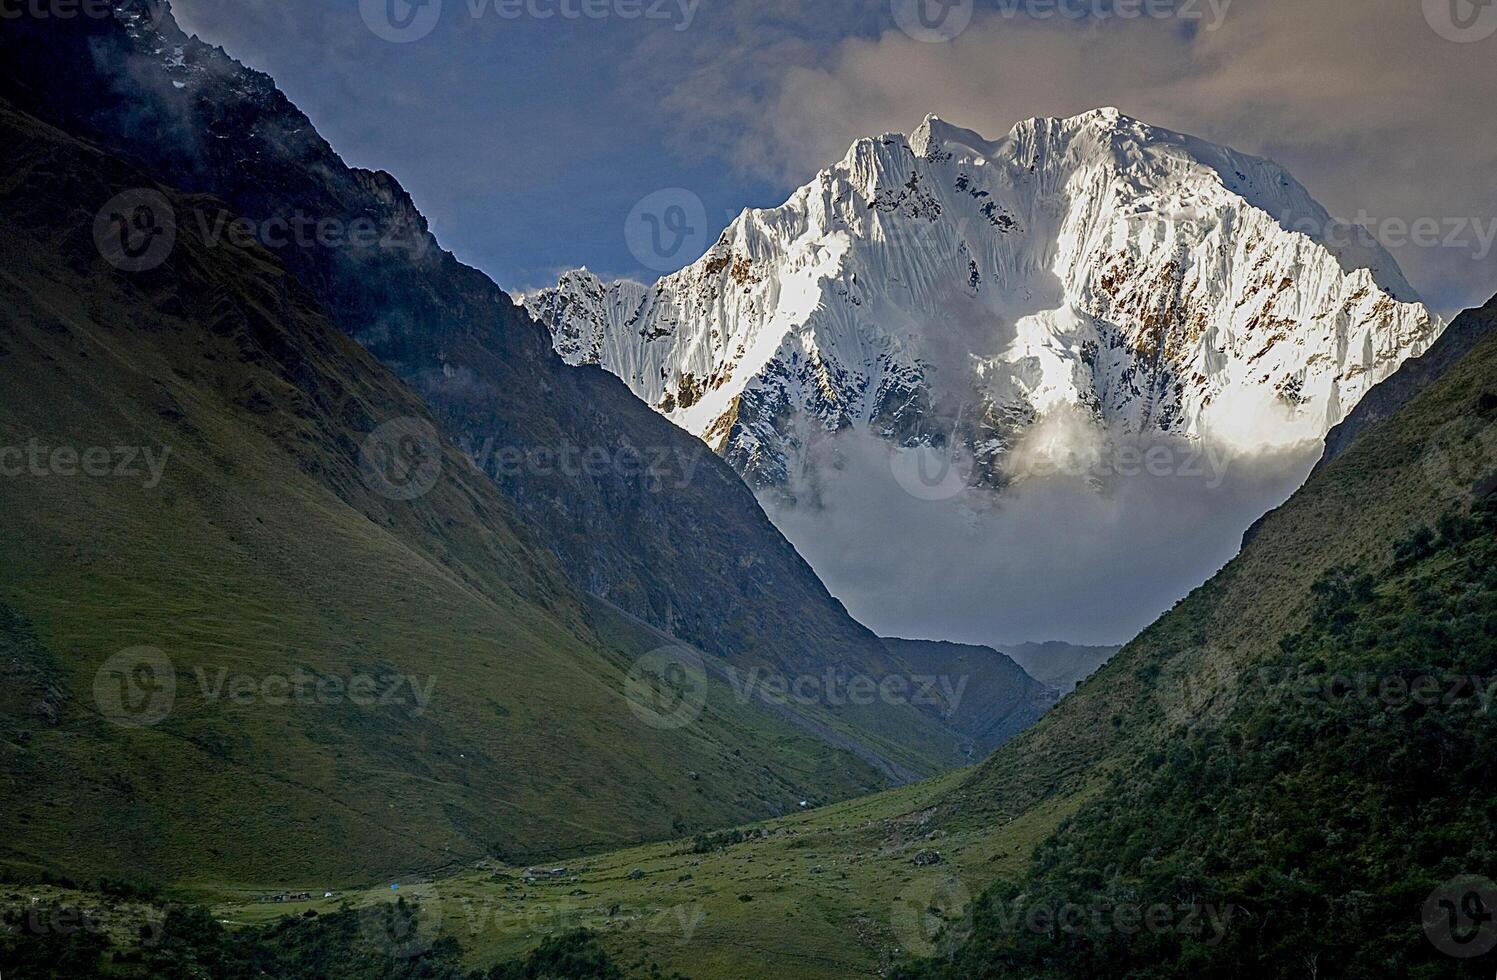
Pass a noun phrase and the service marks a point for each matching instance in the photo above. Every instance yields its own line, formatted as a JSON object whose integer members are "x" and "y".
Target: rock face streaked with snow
{"x": 943, "y": 289}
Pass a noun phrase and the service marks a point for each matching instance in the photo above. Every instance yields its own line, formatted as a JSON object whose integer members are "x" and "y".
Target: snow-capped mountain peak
{"x": 942, "y": 285}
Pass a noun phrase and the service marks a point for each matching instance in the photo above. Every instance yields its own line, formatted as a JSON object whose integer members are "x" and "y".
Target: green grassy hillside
{"x": 1312, "y": 824}
{"x": 177, "y": 642}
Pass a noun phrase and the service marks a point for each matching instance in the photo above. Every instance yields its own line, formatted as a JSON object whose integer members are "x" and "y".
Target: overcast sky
{"x": 528, "y": 139}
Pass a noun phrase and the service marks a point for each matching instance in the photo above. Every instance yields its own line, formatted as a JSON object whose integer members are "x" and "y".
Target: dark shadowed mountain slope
{"x": 656, "y": 524}
{"x": 992, "y": 698}
{"x": 233, "y": 651}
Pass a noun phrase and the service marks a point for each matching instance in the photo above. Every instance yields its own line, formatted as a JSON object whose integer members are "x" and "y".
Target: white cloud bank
{"x": 1094, "y": 545}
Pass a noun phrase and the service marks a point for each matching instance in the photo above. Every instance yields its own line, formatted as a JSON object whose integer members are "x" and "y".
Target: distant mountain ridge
{"x": 1060, "y": 665}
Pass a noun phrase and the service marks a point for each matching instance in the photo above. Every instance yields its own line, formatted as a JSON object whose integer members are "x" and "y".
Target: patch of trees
{"x": 1353, "y": 776}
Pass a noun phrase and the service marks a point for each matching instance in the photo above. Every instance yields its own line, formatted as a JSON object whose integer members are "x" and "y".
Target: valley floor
{"x": 843, "y": 891}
